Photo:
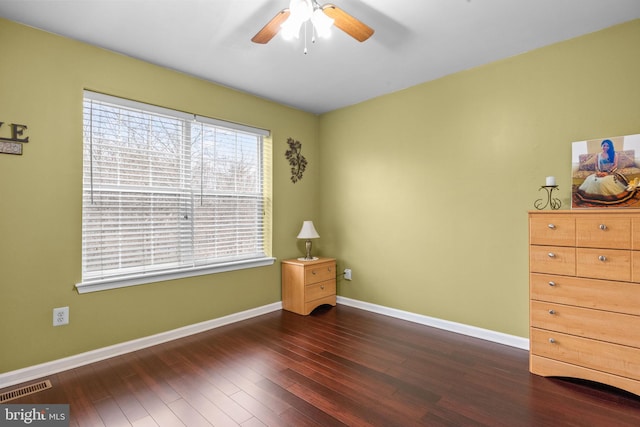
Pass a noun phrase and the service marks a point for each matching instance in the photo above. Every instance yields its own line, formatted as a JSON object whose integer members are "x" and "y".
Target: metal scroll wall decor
{"x": 13, "y": 145}
{"x": 296, "y": 160}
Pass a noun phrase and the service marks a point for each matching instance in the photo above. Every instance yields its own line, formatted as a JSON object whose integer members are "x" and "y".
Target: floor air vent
{"x": 24, "y": 391}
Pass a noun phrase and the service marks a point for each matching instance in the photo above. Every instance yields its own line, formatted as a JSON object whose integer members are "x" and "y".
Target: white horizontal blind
{"x": 164, "y": 191}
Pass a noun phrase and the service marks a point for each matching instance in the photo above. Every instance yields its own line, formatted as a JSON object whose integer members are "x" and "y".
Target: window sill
{"x": 141, "y": 279}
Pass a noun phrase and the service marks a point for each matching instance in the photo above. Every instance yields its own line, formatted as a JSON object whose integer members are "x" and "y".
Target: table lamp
{"x": 308, "y": 232}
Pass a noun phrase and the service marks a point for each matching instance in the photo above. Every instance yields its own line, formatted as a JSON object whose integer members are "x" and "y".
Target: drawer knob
{"x": 322, "y": 287}
{"x": 313, "y": 272}
{"x": 552, "y": 226}
{"x": 552, "y": 283}
{"x": 602, "y": 227}
{"x": 552, "y": 340}
{"x": 552, "y": 312}
{"x": 602, "y": 258}
{"x": 552, "y": 255}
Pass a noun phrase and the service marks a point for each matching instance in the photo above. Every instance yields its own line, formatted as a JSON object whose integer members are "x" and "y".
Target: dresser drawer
{"x": 619, "y": 297}
{"x": 635, "y": 234}
{"x": 320, "y": 290}
{"x": 597, "y": 324}
{"x": 552, "y": 259}
{"x": 606, "y": 357}
{"x": 552, "y": 230}
{"x": 603, "y": 232}
{"x": 635, "y": 266}
{"x": 319, "y": 272}
{"x": 612, "y": 264}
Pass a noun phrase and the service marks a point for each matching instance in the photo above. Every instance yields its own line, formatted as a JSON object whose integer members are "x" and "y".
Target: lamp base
{"x": 308, "y": 257}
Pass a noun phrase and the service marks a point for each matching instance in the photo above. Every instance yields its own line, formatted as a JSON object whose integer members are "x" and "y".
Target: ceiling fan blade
{"x": 348, "y": 23}
{"x": 271, "y": 29}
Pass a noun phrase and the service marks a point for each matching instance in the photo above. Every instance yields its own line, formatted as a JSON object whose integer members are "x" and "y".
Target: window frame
{"x": 91, "y": 283}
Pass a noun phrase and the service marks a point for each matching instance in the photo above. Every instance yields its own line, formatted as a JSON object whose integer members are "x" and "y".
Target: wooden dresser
{"x": 308, "y": 284}
{"x": 585, "y": 295}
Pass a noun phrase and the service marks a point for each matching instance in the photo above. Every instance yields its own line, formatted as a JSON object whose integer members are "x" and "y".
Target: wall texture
{"x": 425, "y": 192}
{"x": 40, "y": 200}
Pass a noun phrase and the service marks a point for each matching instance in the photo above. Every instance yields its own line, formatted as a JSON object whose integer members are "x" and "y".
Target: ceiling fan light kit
{"x": 289, "y": 21}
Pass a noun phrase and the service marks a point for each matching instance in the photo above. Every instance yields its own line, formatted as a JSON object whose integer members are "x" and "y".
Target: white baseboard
{"x": 485, "y": 334}
{"x": 30, "y": 373}
{"x": 38, "y": 371}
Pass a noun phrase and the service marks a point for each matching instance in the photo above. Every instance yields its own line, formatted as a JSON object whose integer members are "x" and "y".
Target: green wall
{"x": 42, "y": 77}
{"x": 425, "y": 192}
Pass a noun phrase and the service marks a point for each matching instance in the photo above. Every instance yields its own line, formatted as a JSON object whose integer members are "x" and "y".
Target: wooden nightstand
{"x": 308, "y": 284}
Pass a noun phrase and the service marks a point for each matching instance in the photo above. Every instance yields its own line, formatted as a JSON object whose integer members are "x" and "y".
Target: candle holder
{"x": 553, "y": 202}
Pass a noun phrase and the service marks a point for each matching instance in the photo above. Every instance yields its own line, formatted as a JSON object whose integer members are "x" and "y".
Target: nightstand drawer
{"x": 319, "y": 272}
{"x": 320, "y": 290}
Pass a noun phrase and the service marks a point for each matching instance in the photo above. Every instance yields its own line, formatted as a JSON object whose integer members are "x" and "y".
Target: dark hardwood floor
{"x": 339, "y": 366}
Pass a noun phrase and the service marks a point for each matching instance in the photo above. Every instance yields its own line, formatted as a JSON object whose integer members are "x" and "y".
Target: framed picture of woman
{"x": 605, "y": 173}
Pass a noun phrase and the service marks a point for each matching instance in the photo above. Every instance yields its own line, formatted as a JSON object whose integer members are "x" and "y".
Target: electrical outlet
{"x": 60, "y": 316}
{"x": 347, "y": 274}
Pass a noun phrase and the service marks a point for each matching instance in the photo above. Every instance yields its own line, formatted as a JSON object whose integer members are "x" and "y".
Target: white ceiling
{"x": 414, "y": 41}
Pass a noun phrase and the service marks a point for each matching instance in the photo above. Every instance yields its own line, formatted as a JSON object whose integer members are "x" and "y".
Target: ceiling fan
{"x": 299, "y": 12}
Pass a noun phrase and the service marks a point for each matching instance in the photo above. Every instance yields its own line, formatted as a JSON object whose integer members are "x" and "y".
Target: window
{"x": 168, "y": 194}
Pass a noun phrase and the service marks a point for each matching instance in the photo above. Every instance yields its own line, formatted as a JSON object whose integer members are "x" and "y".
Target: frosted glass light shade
{"x": 308, "y": 231}
{"x": 291, "y": 28}
{"x": 322, "y": 23}
{"x": 300, "y": 11}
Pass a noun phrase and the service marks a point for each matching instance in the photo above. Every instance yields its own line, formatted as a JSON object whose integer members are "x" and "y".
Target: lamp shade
{"x": 308, "y": 231}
